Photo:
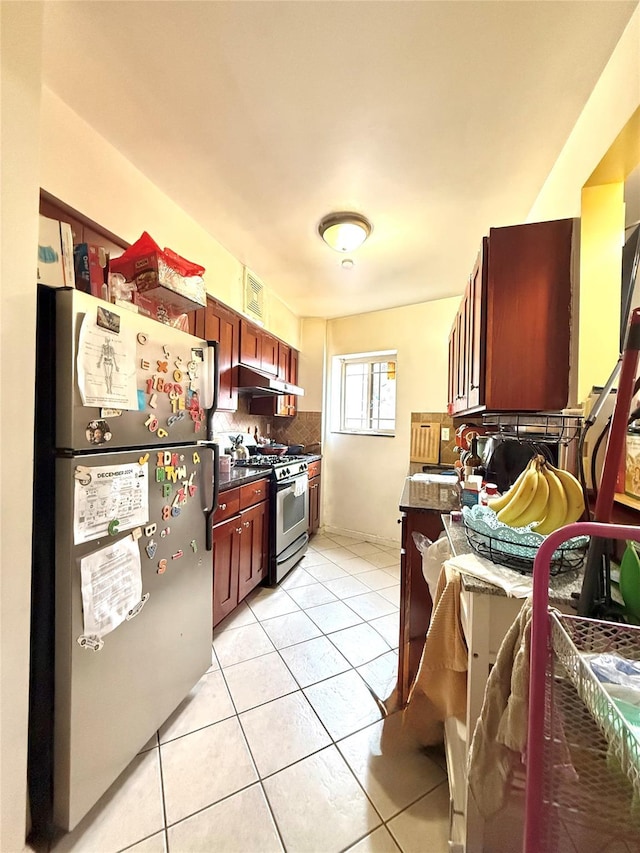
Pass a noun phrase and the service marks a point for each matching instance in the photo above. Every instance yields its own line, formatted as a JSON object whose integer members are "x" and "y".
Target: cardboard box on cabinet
{"x": 55, "y": 253}
{"x": 90, "y": 264}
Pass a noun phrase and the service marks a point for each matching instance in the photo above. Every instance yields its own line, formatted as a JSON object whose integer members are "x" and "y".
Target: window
{"x": 367, "y": 383}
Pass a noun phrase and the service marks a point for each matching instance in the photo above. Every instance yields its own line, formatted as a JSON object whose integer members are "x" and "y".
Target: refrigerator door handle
{"x": 215, "y": 490}
{"x": 210, "y": 393}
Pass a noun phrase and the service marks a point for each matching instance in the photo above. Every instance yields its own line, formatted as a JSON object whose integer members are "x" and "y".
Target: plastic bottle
{"x": 490, "y": 490}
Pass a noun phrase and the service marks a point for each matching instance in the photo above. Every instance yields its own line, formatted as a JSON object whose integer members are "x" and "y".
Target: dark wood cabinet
{"x": 269, "y": 354}
{"x": 250, "y": 344}
{"x": 240, "y": 545}
{"x": 314, "y": 472}
{"x": 253, "y": 548}
{"x": 509, "y": 344}
{"x": 282, "y": 405}
{"x": 217, "y": 323}
{"x": 258, "y": 349}
{"x": 226, "y": 553}
{"x": 415, "y": 600}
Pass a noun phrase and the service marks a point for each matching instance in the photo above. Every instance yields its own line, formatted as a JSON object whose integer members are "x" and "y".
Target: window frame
{"x": 341, "y": 362}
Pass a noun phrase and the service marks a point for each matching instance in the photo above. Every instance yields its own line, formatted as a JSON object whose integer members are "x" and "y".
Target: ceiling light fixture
{"x": 344, "y": 232}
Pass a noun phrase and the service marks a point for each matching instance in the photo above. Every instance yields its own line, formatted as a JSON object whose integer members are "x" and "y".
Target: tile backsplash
{"x": 304, "y": 428}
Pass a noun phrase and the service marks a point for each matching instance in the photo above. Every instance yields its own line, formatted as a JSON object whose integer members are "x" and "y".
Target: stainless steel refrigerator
{"x": 134, "y": 482}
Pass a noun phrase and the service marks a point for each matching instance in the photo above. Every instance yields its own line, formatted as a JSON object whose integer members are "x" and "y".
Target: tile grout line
{"x": 300, "y": 689}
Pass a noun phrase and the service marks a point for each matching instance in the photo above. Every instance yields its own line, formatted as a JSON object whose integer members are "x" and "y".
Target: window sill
{"x": 363, "y": 432}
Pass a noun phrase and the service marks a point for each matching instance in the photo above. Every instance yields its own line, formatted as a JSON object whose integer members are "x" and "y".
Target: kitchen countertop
{"x": 240, "y": 476}
{"x": 424, "y": 497}
{"x": 561, "y": 587}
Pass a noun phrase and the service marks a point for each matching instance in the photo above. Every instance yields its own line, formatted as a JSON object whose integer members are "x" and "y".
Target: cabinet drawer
{"x": 253, "y": 493}
{"x": 314, "y": 468}
{"x": 228, "y": 505}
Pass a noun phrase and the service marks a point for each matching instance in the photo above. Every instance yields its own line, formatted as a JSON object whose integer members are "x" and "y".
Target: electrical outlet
{"x": 445, "y": 433}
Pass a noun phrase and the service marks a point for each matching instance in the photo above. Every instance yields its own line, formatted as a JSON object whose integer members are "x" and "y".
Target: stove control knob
{"x": 287, "y": 471}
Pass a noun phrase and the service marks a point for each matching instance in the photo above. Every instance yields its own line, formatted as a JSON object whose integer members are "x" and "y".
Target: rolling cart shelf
{"x": 574, "y": 637}
{"x": 583, "y": 755}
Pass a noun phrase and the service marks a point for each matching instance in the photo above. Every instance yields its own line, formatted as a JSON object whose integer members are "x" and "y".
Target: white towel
{"x": 300, "y": 486}
{"x": 514, "y": 584}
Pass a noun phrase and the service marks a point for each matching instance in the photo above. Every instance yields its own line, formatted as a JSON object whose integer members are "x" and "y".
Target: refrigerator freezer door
{"x": 125, "y": 380}
{"x": 109, "y": 702}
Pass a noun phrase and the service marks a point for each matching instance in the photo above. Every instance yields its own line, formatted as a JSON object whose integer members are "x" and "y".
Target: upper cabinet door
{"x": 284, "y": 357}
{"x": 292, "y": 400}
{"x": 250, "y": 344}
{"x": 477, "y": 330}
{"x": 269, "y": 354}
{"x": 223, "y": 326}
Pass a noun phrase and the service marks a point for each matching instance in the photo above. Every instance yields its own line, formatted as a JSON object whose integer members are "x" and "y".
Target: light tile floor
{"x": 282, "y": 745}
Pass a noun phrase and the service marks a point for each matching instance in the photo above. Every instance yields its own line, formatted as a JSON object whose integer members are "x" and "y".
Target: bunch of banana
{"x": 542, "y": 494}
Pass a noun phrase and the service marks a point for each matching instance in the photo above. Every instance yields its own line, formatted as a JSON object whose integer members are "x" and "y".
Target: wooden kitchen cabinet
{"x": 415, "y": 600}
{"x": 240, "y": 545}
{"x": 314, "y": 471}
{"x": 258, "y": 349}
{"x": 226, "y": 562}
{"x": 217, "y": 323}
{"x": 509, "y": 347}
{"x": 281, "y": 405}
{"x": 253, "y": 556}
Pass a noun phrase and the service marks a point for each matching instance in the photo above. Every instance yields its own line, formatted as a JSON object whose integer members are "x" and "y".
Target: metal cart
{"x": 583, "y": 755}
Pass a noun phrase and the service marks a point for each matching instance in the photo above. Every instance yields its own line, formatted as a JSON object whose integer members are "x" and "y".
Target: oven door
{"x": 292, "y": 511}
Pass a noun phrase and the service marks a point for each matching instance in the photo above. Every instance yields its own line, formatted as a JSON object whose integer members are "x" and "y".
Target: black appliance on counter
{"x": 504, "y": 458}
{"x": 288, "y": 512}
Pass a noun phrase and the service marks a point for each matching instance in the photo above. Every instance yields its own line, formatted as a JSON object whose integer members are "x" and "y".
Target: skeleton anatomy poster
{"x": 106, "y": 362}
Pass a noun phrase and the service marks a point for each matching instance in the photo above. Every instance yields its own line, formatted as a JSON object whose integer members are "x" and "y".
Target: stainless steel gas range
{"x": 289, "y": 510}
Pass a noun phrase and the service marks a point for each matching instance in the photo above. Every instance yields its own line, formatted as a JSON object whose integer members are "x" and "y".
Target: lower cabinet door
{"x": 226, "y": 553}
{"x": 253, "y": 548}
{"x": 314, "y": 504}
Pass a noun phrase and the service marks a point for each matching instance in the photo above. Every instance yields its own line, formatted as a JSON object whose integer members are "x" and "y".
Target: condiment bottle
{"x": 472, "y": 462}
{"x": 489, "y": 491}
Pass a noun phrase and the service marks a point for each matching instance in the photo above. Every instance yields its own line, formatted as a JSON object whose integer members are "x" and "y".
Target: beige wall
{"x": 21, "y": 25}
{"x": 614, "y": 98}
{"x": 85, "y": 171}
{"x": 311, "y": 364}
{"x": 363, "y": 476}
{"x": 609, "y": 108}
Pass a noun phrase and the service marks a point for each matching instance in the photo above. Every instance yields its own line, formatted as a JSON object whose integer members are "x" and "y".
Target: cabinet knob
{"x": 257, "y": 491}
{"x": 222, "y": 506}
{"x": 238, "y": 530}
{"x": 246, "y": 523}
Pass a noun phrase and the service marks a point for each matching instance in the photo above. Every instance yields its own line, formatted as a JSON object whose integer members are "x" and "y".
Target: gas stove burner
{"x": 282, "y": 467}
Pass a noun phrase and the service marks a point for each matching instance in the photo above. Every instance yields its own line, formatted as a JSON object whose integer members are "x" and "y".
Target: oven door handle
{"x": 289, "y": 485}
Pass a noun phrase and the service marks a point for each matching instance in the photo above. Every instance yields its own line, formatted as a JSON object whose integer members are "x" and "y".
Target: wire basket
{"x": 516, "y": 547}
{"x": 591, "y": 789}
{"x": 552, "y": 428}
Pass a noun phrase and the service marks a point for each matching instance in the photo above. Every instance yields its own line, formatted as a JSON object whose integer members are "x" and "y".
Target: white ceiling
{"x": 436, "y": 120}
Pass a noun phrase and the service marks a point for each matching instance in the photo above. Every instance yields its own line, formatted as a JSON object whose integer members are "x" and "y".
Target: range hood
{"x": 259, "y": 384}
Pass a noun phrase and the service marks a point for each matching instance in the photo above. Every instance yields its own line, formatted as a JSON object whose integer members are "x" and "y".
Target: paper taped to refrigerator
{"x": 111, "y": 586}
{"x": 106, "y": 362}
{"x": 109, "y": 499}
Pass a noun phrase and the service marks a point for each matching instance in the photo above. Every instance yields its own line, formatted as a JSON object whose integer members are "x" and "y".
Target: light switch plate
{"x": 444, "y": 434}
